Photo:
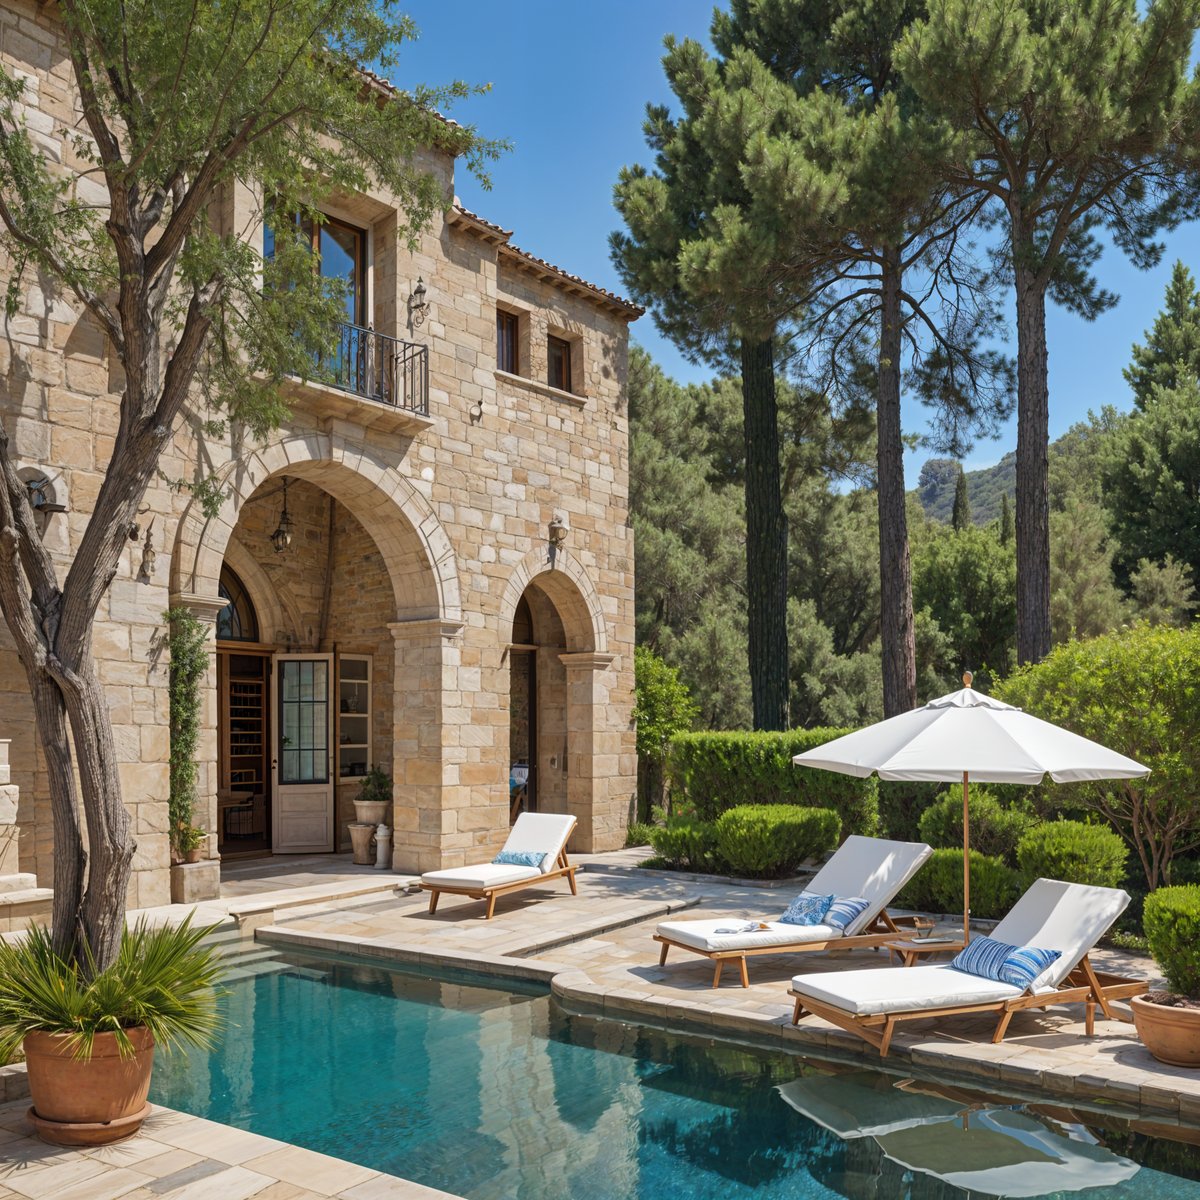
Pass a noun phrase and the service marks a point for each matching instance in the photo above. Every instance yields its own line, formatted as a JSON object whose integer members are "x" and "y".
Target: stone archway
{"x": 572, "y": 591}
{"x": 419, "y": 625}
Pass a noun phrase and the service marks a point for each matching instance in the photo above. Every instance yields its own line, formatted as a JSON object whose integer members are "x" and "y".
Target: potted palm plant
{"x": 1168, "y": 1022}
{"x": 89, "y": 1037}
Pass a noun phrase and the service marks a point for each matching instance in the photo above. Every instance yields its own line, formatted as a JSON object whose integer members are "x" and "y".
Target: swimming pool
{"x": 499, "y": 1094}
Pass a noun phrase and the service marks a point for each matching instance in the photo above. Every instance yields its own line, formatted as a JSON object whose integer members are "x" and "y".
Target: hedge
{"x": 685, "y": 843}
{"x": 1073, "y": 852}
{"x": 995, "y": 830}
{"x": 1172, "y": 923}
{"x": 713, "y": 772}
{"x": 938, "y": 886}
{"x": 770, "y": 840}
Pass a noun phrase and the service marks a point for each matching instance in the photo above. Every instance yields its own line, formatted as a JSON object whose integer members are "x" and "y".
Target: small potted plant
{"x": 191, "y": 842}
{"x": 374, "y": 798}
{"x": 89, "y": 1038}
{"x": 1168, "y": 1022}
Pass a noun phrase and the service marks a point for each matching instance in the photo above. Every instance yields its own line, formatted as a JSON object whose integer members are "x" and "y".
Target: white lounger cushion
{"x": 901, "y": 989}
{"x": 1068, "y": 917}
{"x": 703, "y": 935}
{"x": 873, "y": 868}
{"x": 485, "y": 875}
{"x": 544, "y": 833}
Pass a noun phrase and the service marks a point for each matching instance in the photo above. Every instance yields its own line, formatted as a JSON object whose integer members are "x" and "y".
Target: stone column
{"x": 11, "y": 879}
{"x": 426, "y": 791}
{"x": 202, "y": 881}
{"x": 592, "y": 748}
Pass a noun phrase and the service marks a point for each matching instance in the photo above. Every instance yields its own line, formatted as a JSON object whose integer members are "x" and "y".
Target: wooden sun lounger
{"x": 883, "y": 929}
{"x": 1083, "y": 985}
{"x": 561, "y": 868}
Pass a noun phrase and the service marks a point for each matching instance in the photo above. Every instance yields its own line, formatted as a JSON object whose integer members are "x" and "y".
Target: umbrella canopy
{"x": 967, "y": 735}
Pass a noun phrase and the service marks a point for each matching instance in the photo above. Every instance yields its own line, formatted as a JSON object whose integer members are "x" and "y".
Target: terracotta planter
{"x": 194, "y": 856}
{"x": 1172, "y": 1035}
{"x": 92, "y": 1101}
{"x": 371, "y": 812}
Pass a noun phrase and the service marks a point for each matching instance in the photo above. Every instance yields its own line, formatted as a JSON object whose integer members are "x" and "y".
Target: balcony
{"x": 366, "y": 365}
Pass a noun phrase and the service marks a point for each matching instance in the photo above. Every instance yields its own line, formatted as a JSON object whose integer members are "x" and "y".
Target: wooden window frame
{"x": 508, "y": 336}
{"x": 553, "y": 342}
{"x": 313, "y": 231}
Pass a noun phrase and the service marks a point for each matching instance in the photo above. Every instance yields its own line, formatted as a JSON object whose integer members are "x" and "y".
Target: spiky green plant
{"x": 163, "y": 979}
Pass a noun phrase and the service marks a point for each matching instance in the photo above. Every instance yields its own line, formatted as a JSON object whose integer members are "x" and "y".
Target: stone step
{"x": 17, "y": 883}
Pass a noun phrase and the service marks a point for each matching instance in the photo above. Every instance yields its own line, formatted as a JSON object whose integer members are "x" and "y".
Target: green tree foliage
{"x": 1084, "y": 119}
{"x": 187, "y": 642}
{"x": 1137, "y": 691}
{"x": 1163, "y": 593}
{"x": 1005, "y": 532}
{"x": 967, "y": 583}
{"x": 662, "y": 708}
{"x": 1084, "y": 599}
{"x": 1171, "y": 355}
{"x": 176, "y": 105}
{"x": 960, "y": 517}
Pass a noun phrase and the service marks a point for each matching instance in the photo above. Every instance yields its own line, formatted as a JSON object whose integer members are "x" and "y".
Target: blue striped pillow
{"x": 1023, "y": 966}
{"x": 807, "y": 909}
{"x": 983, "y": 956}
{"x": 845, "y": 910}
{"x": 1015, "y": 965}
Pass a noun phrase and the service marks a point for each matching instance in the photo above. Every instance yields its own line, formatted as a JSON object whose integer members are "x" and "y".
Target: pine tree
{"x": 1082, "y": 117}
{"x": 961, "y": 517}
{"x": 1171, "y": 355}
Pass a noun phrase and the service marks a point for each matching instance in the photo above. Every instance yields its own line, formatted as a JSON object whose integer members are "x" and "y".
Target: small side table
{"x": 912, "y": 949}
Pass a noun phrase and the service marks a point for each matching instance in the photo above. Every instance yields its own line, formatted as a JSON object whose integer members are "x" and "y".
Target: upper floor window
{"x": 559, "y": 356}
{"x": 507, "y": 354}
{"x": 340, "y": 251}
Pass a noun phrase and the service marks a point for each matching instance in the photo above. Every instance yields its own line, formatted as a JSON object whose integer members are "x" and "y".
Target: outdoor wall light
{"x": 281, "y": 539}
{"x": 41, "y": 497}
{"x": 146, "y": 570}
{"x": 475, "y": 412}
{"x": 418, "y": 304}
{"x": 558, "y": 531}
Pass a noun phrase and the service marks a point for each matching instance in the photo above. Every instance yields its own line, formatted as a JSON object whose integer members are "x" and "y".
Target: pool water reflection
{"x": 496, "y": 1093}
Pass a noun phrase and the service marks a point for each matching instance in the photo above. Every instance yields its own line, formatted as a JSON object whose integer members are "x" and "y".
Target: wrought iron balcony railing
{"x": 377, "y": 367}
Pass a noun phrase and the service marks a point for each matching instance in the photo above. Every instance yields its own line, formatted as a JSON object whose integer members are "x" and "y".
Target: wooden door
{"x": 302, "y": 764}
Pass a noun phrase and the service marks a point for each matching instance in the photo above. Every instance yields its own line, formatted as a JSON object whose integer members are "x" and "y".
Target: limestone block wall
{"x": 440, "y": 528}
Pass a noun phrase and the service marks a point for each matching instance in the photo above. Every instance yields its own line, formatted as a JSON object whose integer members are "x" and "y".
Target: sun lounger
{"x": 1067, "y": 917}
{"x": 872, "y": 869}
{"x": 544, "y": 833}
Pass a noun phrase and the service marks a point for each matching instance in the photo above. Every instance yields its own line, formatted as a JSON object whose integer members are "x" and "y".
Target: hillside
{"x": 935, "y": 488}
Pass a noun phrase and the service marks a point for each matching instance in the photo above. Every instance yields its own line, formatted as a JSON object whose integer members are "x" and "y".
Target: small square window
{"x": 559, "y": 355}
{"x": 508, "y": 356}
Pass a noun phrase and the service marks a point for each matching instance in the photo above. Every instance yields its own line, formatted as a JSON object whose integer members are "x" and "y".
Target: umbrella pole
{"x": 966, "y": 866}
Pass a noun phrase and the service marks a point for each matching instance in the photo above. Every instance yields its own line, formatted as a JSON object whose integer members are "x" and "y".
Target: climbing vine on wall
{"x": 187, "y": 639}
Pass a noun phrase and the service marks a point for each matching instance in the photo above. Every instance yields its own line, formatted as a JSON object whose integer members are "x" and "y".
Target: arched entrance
{"x": 341, "y": 597}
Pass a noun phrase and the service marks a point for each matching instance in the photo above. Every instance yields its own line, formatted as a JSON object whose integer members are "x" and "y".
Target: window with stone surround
{"x": 558, "y": 355}
{"x": 508, "y": 342}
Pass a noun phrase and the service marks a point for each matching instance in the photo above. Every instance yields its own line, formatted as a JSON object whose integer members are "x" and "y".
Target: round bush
{"x": 938, "y": 886}
{"x": 684, "y": 843}
{"x": 1073, "y": 852}
{"x": 995, "y": 830}
{"x": 1171, "y": 919}
{"x": 769, "y": 840}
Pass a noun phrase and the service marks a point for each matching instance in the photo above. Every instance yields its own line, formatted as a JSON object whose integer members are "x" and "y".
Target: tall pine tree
{"x": 1171, "y": 354}
{"x": 960, "y": 518}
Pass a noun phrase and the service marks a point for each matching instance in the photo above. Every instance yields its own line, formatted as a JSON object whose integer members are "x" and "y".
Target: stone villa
{"x": 428, "y": 568}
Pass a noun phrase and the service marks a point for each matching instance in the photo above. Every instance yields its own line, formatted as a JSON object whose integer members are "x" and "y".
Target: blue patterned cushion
{"x": 520, "y": 858}
{"x": 1015, "y": 965}
{"x": 1023, "y": 966}
{"x": 844, "y": 910}
{"x": 983, "y": 956}
{"x": 807, "y": 909}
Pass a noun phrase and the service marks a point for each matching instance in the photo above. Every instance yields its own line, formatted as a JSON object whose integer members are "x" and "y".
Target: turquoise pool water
{"x": 500, "y": 1095}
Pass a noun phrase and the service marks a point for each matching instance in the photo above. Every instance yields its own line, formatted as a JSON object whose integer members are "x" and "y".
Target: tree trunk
{"x": 898, "y": 641}
{"x": 766, "y": 539}
{"x": 1033, "y": 437}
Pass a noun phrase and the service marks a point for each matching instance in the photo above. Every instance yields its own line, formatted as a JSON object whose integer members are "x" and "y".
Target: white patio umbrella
{"x": 967, "y": 735}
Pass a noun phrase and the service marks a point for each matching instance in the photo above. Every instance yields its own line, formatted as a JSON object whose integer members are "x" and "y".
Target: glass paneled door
{"x": 303, "y": 760}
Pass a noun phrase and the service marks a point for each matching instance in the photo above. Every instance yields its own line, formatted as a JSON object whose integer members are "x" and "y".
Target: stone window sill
{"x": 544, "y": 389}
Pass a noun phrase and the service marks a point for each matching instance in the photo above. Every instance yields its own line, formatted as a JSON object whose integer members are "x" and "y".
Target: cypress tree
{"x": 1006, "y": 521}
{"x": 1083, "y": 118}
{"x": 960, "y": 518}
{"x": 1171, "y": 354}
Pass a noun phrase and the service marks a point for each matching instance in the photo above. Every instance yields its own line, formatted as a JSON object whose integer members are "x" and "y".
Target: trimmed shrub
{"x": 1172, "y": 923}
{"x": 718, "y": 771}
{"x": 938, "y": 886}
{"x": 995, "y": 830}
{"x": 1073, "y": 852}
{"x": 640, "y": 833}
{"x": 769, "y": 840}
{"x": 684, "y": 843}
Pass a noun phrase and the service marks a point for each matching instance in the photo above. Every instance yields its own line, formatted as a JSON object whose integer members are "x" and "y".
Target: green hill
{"x": 935, "y": 488}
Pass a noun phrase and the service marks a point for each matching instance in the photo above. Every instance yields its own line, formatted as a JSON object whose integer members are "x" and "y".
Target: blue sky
{"x": 571, "y": 81}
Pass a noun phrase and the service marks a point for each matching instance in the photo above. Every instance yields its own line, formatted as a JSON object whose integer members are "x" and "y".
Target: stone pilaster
{"x": 593, "y": 749}
{"x": 9, "y": 866}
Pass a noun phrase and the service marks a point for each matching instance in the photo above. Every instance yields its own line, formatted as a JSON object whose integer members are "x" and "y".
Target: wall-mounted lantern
{"x": 418, "y": 304}
{"x": 281, "y": 539}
